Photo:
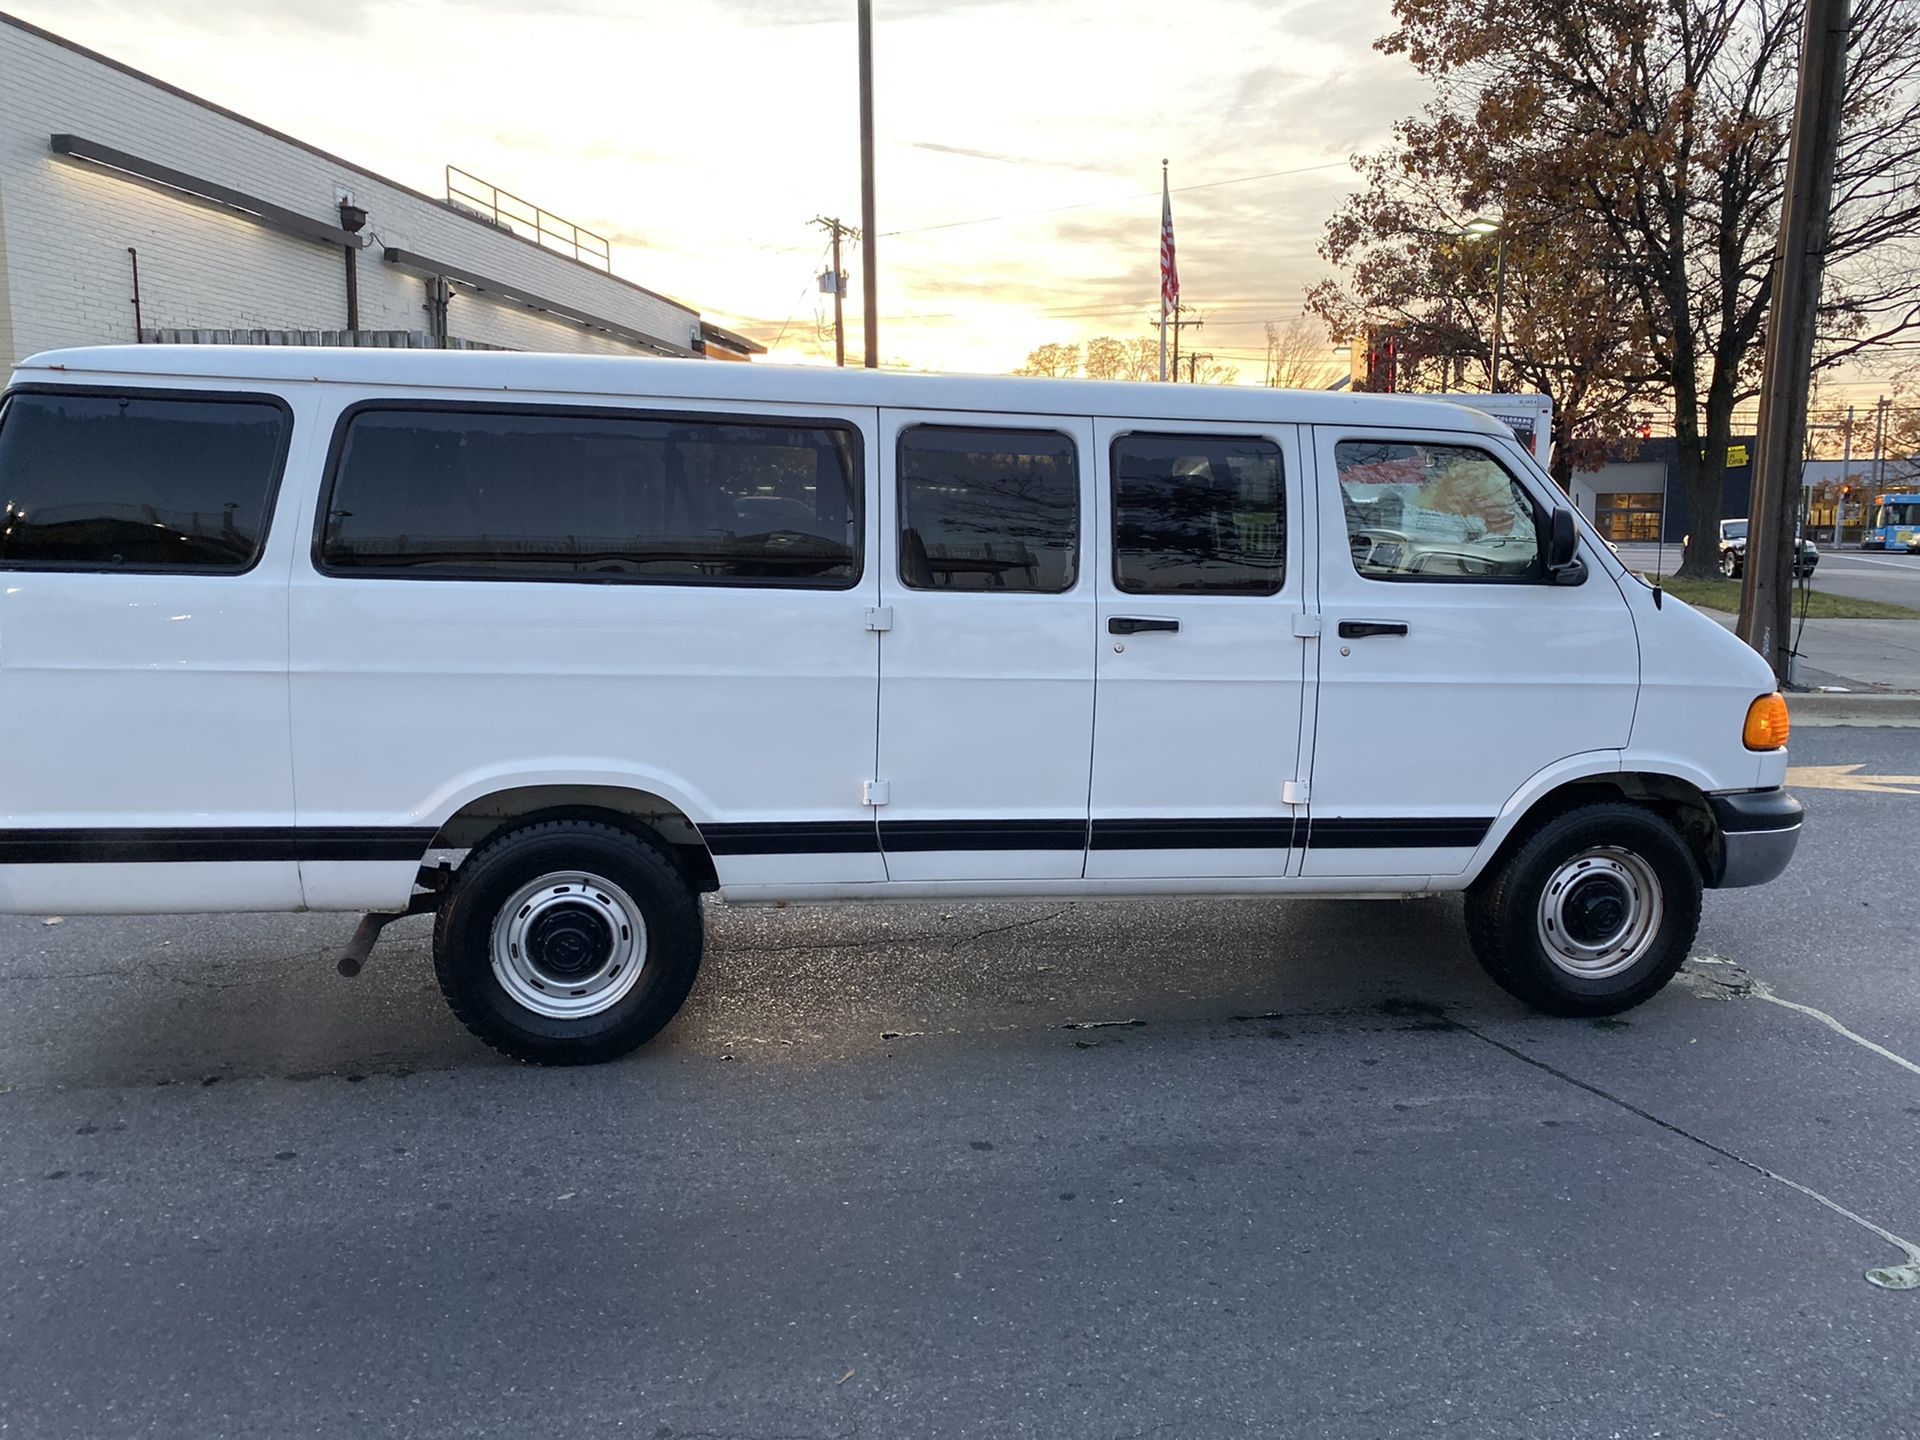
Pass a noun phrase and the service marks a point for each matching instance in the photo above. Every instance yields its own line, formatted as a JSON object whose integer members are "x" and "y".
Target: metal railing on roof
{"x": 477, "y": 197}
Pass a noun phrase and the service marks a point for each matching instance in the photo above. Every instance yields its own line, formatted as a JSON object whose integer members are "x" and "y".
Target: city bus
{"x": 1894, "y": 524}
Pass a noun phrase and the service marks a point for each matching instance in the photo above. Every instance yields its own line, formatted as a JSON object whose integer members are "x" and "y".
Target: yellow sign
{"x": 1845, "y": 777}
{"x": 1736, "y": 456}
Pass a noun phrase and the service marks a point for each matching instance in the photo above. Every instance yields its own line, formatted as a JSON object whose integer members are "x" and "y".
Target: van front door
{"x": 1201, "y": 666}
{"x": 1452, "y": 670}
{"x": 987, "y": 643}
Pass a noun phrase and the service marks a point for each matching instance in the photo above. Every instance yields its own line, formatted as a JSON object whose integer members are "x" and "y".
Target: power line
{"x": 812, "y": 277}
{"x": 1117, "y": 200}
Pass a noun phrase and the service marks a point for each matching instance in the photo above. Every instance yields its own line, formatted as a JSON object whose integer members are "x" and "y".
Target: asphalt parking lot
{"x": 1170, "y": 1168}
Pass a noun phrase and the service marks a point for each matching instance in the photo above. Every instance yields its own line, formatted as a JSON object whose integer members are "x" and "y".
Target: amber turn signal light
{"x": 1767, "y": 724}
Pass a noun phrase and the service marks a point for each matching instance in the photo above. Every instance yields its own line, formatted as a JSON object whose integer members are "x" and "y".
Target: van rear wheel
{"x": 567, "y": 942}
{"x": 1590, "y": 914}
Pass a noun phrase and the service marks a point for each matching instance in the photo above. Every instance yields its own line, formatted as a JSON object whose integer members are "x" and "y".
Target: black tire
{"x": 1729, "y": 565}
{"x": 1504, "y": 916}
{"x": 641, "y": 873}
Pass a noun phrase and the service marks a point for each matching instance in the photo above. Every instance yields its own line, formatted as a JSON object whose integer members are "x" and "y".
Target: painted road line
{"x": 1844, "y": 777}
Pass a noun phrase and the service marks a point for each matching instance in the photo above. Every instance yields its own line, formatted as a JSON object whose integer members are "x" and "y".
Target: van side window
{"x": 137, "y": 482}
{"x": 1198, "y": 515}
{"x": 1418, "y": 511}
{"x": 520, "y": 494}
{"x": 988, "y": 510}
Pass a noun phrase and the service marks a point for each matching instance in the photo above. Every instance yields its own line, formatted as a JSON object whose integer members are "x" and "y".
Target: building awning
{"x": 502, "y": 290}
{"x": 736, "y": 345}
{"x": 209, "y": 192}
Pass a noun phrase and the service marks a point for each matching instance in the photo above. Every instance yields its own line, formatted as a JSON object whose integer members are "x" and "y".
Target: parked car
{"x": 548, "y": 646}
{"x": 1733, "y": 552}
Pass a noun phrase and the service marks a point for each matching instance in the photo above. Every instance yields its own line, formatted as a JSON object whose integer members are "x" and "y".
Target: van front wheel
{"x": 1590, "y": 914}
{"x": 567, "y": 942}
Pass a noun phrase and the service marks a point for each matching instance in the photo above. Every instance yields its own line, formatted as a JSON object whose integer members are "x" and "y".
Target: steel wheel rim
{"x": 569, "y": 945}
{"x": 1600, "y": 912}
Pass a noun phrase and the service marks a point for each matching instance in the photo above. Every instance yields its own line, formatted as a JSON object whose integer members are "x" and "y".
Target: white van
{"x": 550, "y": 645}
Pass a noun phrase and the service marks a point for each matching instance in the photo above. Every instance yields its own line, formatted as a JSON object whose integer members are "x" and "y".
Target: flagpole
{"x": 1166, "y": 209}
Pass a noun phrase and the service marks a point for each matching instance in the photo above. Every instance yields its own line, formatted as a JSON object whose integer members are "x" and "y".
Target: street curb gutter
{"x": 1817, "y": 708}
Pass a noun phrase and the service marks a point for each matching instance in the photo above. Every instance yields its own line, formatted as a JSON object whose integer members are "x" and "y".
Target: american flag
{"x": 1169, "y": 271}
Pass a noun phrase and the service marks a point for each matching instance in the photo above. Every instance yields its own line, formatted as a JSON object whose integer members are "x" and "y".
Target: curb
{"x": 1817, "y": 708}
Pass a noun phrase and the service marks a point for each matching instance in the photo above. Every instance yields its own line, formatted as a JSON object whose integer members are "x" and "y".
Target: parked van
{"x": 550, "y": 645}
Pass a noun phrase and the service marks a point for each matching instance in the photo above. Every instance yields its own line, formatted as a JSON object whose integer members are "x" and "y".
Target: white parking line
{"x": 1761, "y": 992}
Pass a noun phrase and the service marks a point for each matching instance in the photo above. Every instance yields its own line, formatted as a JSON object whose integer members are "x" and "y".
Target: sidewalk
{"x": 1862, "y": 655}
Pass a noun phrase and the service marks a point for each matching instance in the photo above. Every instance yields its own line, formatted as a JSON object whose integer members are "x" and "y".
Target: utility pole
{"x": 1766, "y": 600}
{"x": 838, "y": 287}
{"x": 1177, "y": 324}
{"x": 1879, "y": 444}
{"x": 1194, "y": 357}
{"x": 869, "y": 259}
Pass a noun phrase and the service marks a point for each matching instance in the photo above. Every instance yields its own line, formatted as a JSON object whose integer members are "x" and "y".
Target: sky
{"x": 1017, "y": 156}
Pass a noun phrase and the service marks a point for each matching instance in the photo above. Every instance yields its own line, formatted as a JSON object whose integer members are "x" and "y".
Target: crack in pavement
{"x": 1898, "y": 1277}
{"x": 952, "y": 943}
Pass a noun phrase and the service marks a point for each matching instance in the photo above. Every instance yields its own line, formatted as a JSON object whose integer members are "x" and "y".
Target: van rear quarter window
{"x": 594, "y": 496}
{"x": 992, "y": 510}
{"x": 136, "y": 482}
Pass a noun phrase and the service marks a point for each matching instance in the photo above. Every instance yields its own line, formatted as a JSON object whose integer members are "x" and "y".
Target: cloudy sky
{"x": 1018, "y": 155}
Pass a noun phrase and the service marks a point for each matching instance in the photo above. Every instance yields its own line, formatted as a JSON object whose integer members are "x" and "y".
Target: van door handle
{"x": 1134, "y": 624}
{"x": 1361, "y": 629}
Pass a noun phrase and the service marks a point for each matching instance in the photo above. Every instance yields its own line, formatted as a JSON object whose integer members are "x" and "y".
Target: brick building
{"x": 237, "y": 232}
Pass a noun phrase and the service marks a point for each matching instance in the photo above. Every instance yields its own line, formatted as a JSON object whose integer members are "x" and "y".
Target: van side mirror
{"x": 1564, "y": 566}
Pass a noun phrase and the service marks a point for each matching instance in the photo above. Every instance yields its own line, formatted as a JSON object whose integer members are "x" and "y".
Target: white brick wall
{"x": 65, "y": 276}
{"x": 6, "y": 301}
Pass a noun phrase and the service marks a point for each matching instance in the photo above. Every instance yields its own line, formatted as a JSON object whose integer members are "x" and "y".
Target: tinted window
{"x": 559, "y": 496}
{"x": 1197, "y": 515}
{"x": 132, "y": 482}
{"x": 1436, "y": 512}
{"x": 988, "y": 510}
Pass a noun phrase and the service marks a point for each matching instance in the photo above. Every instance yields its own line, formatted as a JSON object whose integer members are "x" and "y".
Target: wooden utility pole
{"x": 1766, "y": 601}
{"x": 833, "y": 227}
{"x": 869, "y": 232}
{"x": 1194, "y": 359}
{"x": 1177, "y": 324}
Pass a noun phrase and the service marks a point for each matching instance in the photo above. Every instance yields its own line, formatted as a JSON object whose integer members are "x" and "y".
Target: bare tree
{"x": 1056, "y": 360}
{"x": 1299, "y": 356}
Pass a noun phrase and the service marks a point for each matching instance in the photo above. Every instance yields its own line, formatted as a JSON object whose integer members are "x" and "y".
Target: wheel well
{"x": 1680, "y": 803}
{"x": 478, "y": 821}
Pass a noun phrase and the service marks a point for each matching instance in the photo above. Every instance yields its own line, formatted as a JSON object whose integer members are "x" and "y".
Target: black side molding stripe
{"x": 1253, "y": 832}
{"x": 903, "y": 835}
{"x": 1420, "y": 833}
{"x": 216, "y": 843}
{"x": 793, "y": 837}
{"x": 815, "y": 837}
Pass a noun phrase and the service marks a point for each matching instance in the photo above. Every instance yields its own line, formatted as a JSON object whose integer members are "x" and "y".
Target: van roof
{"x": 706, "y": 380}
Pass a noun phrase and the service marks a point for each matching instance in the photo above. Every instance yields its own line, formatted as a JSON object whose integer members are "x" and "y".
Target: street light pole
{"x": 1479, "y": 228}
{"x": 1499, "y": 302}
{"x": 1846, "y": 464}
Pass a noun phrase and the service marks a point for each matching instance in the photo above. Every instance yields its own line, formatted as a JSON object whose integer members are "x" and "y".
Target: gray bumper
{"x": 1759, "y": 830}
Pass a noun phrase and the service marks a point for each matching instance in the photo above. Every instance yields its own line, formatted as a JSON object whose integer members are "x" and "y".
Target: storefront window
{"x": 1629, "y": 516}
